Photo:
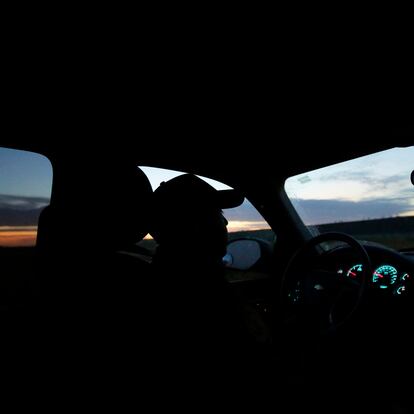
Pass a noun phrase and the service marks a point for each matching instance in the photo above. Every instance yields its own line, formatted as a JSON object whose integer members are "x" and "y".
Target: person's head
{"x": 187, "y": 212}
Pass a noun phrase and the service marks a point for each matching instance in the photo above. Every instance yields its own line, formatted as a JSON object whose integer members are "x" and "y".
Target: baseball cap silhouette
{"x": 188, "y": 196}
{"x": 188, "y": 188}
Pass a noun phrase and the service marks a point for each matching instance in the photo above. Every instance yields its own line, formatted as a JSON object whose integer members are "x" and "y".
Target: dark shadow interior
{"x": 85, "y": 309}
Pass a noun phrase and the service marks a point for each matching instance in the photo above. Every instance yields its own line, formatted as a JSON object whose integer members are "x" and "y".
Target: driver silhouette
{"x": 191, "y": 233}
{"x": 203, "y": 326}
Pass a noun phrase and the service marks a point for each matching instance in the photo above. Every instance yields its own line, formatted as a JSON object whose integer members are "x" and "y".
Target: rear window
{"x": 25, "y": 190}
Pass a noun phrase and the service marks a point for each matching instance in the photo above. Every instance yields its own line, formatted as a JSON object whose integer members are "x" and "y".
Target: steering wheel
{"x": 320, "y": 296}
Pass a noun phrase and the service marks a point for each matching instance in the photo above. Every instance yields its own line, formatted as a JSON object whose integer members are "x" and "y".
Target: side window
{"x": 25, "y": 189}
{"x": 243, "y": 221}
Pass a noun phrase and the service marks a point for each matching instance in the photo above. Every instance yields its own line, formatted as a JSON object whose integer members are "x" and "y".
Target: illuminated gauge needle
{"x": 377, "y": 274}
{"x": 352, "y": 274}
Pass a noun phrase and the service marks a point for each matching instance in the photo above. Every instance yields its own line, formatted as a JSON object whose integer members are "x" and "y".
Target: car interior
{"x": 324, "y": 315}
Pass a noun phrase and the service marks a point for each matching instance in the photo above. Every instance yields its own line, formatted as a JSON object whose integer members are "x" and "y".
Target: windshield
{"x": 371, "y": 198}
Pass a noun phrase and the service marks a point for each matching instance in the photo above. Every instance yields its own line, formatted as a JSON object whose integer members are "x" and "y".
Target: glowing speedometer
{"x": 385, "y": 276}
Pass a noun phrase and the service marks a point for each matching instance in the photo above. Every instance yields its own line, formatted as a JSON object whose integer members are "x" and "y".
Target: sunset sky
{"x": 18, "y": 236}
{"x": 25, "y": 187}
{"x": 376, "y": 186}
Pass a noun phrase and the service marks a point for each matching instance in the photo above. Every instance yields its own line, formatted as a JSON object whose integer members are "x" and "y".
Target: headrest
{"x": 110, "y": 211}
{"x": 130, "y": 206}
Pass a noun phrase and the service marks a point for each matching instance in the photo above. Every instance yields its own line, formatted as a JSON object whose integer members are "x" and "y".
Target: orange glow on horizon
{"x": 242, "y": 225}
{"x": 407, "y": 214}
{"x": 18, "y": 236}
{"x": 238, "y": 225}
{"x": 26, "y": 236}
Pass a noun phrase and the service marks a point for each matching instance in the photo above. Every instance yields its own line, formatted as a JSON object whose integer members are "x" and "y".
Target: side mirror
{"x": 243, "y": 254}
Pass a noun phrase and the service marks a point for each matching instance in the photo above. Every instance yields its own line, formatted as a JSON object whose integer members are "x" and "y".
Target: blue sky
{"x": 24, "y": 173}
{"x": 374, "y": 186}
{"x": 158, "y": 175}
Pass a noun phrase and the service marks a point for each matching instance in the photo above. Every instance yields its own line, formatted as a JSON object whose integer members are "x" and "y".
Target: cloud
{"x": 20, "y": 211}
{"x": 22, "y": 203}
{"x": 373, "y": 180}
{"x": 315, "y": 212}
{"x": 349, "y": 175}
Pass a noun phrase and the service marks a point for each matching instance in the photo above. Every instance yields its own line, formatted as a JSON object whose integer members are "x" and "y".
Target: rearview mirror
{"x": 242, "y": 254}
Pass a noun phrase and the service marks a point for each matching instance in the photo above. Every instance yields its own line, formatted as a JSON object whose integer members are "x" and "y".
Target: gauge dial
{"x": 354, "y": 271}
{"x": 385, "y": 276}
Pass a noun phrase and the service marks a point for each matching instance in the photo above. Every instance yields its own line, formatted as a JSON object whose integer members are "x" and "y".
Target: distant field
{"x": 151, "y": 245}
{"x": 395, "y": 232}
{"x": 260, "y": 234}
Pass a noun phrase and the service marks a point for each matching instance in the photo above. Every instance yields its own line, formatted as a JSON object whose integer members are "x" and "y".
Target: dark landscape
{"x": 395, "y": 232}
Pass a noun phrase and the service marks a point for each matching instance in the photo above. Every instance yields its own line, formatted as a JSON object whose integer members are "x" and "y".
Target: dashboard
{"x": 392, "y": 271}
{"x": 386, "y": 276}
